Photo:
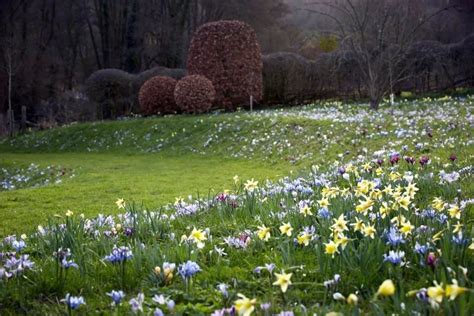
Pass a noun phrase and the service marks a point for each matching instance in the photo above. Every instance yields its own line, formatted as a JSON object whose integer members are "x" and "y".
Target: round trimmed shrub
{"x": 228, "y": 54}
{"x": 156, "y": 96}
{"x": 110, "y": 89}
{"x": 141, "y": 78}
{"x": 194, "y": 94}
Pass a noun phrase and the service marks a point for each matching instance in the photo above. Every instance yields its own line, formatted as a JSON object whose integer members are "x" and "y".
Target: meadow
{"x": 324, "y": 208}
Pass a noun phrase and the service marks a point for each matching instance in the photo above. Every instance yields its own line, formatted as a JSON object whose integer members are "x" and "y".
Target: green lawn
{"x": 101, "y": 178}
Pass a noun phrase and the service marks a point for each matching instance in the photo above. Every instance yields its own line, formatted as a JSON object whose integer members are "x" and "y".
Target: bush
{"x": 141, "y": 78}
{"x": 194, "y": 94}
{"x": 110, "y": 89}
{"x": 156, "y": 96}
{"x": 285, "y": 77}
{"x": 228, "y": 54}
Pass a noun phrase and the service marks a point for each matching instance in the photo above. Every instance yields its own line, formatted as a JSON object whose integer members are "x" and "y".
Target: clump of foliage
{"x": 285, "y": 77}
{"x": 194, "y": 94}
{"x": 228, "y": 54}
{"x": 156, "y": 96}
{"x": 110, "y": 89}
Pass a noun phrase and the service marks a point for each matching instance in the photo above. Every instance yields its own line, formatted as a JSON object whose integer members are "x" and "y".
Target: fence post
{"x": 23, "y": 118}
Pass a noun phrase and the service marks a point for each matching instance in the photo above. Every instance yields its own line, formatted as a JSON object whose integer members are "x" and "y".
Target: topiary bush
{"x": 194, "y": 94}
{"x": 228, "y": 54}
{"x": 156, "y": 96}
{"x": 110, "y": 90}
{"x": 141, "y": 78}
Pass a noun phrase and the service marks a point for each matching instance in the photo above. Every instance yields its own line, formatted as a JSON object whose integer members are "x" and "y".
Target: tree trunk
{"x": 374, "y": 103}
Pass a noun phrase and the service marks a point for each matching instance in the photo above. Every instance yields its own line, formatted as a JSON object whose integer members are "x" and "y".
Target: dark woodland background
{"x": 50, "y": 47}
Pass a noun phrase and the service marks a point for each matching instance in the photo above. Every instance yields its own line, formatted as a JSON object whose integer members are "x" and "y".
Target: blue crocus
{"x": 394, "y": 238}
{"x": 188, "y": 269}
{"x": 394, "y": 257}
{"x": 421, "y": 249}
{"x": 18, "y": 245}
{"x": 73, "y": 302}
{"x": 324, "y": 213}
{"x": 116, "y": 296}
{"x": 66, "y": 264}
{"x": 119, "y": 255}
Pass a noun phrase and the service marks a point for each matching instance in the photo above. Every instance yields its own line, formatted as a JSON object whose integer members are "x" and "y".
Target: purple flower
{"x": 136, "y": 303}
{"x": 158, "y": 312}
{"x": 116, "y": 296}
{"x": 424, "y": 160}
{"x": 73, "y": 302}
{"x": 222, "y": 287}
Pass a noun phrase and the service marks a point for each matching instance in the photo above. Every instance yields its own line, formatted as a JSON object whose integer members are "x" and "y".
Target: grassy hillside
{"x": 376, "y": 206}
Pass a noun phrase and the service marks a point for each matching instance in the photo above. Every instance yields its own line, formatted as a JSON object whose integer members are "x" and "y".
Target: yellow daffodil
{"x": 283, "y": 280}
{"x": 352, "y": 299}
{"x": 342, "y": 240}
{"x": 324, "y": 202}
{"x": 457, "y": 228}
{"x": 471, "y": 246}
{"x": 179, "y": 200}
{"x": 454, "y": 211}
{"x": 394, "y": 176}
{"x": 438, "y": 204}
{"x": 250, "y": 185}
{"x": 379, "y": 172}
{"x": 69, "y": 213}
{"x": 387, "y": 288}
{"x": 236, "y": 179}
{"x": 436, "y": 292}
{"x": 120, "y": 203}
{"x": 303, "y": 239}
{"x": 404, "y": 201}
{"x": 384, "y": 210}
{"x": 286, "y": 229}
{"x": 198, "y": 236}
{"x": 365, "y": 206}
{"x": 340, "y": 224}
{"x": 411, "y": 190}
{"x": 306, "y": 211}
{"x": 406, "y": 228}
{"x": 331, "y": 248}
{"x": 358, "y": 225}
{"x": 369, "y": 231}
{"x": 263, "y": 233}
{"x": 453, "y": 290}
{"x": 388, "y": 190}
{"x": 244, "y": 305}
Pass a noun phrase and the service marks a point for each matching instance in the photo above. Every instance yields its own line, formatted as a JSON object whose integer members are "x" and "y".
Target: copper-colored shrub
{"x": 228, "y": 54}
{"x": 194, "y": 94}
{"x": 156, "y": 96}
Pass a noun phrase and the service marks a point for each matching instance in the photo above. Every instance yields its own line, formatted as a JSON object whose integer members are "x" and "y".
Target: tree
{"x": 379, "y": 33}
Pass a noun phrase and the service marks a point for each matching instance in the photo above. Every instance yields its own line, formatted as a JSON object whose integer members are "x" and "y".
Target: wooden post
{"x": 23, "y": 118}
{"x": 251, "y": 103}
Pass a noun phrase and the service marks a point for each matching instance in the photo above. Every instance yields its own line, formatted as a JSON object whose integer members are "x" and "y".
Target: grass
{"x": 149, "y": 162}
{"x": 101, "y": 178}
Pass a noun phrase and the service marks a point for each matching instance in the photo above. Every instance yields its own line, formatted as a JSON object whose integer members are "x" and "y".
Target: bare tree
{"x": 379, "y": 33}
